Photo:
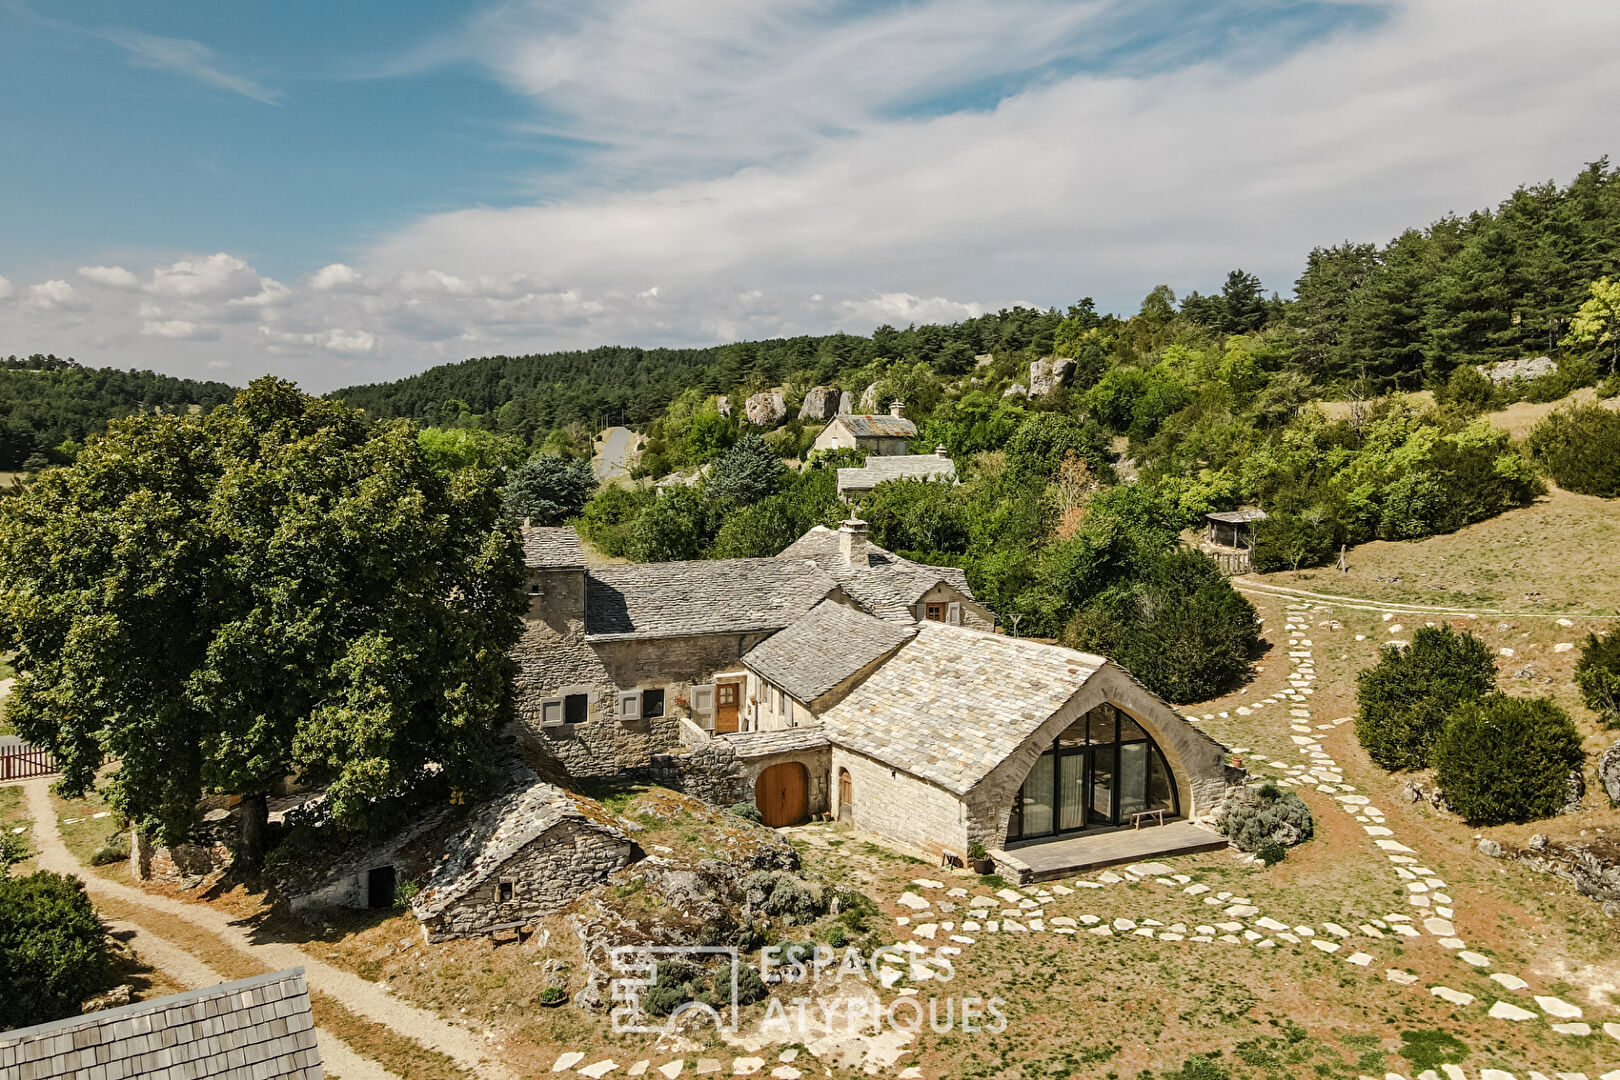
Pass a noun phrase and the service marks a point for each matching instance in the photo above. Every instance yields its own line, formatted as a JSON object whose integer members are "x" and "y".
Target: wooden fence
{"x": 1231, "y": 563}
{"x": 18, "y": 761}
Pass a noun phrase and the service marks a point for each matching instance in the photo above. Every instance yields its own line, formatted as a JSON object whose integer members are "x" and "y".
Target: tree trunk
{"x": 255, "y": 814}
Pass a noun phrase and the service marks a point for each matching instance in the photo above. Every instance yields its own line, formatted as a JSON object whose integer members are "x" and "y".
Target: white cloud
{"x": 762, "y": 171}
{"x": 212, "y": 277}
{"x": 114, "y": 277}
{"x": 335, "y": 276}
{"x": 7, "y": 289}
{"x": 179, "y": 330}
{"x": 185, "y": 57}
{"x": 55, "y": 295}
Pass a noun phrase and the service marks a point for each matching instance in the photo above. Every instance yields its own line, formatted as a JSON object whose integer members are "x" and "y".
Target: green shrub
{"x": 750, "y": 987}
{"x": 745, "y": 810}
{"x": 1405, "y": 698}
{"x": 116, "y": 849}
{"x": 1597, "y": 674}
{"x": 1290, "y": 541}
{"x": 549, "y": 488}
{"x": 1431, "y": 1049}
{"x": 1199, "y": 1068}
{"x": 53, "y": 949}
{"x": 1255, "y": 817}
{"x": 779, "y": 893}
{"x": 1271, "y": 853}
{"x": 756, "y": 530}
{"x": 13, "y": 850}
{"x": 1580, "y": 449}
{"x": 1503, "y": 759}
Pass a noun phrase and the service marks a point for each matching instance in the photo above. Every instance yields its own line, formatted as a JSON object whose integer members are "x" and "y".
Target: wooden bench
{"x": 1138, "y": 817}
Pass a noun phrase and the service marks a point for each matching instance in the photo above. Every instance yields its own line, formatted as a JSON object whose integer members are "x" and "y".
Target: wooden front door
{"x": 846, "y": 796}
{"x": 782, "y": 794}
{"x": 725, "y": 707}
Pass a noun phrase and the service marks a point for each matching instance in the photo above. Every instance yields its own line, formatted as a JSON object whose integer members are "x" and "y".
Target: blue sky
{"x": 345, "y": 192}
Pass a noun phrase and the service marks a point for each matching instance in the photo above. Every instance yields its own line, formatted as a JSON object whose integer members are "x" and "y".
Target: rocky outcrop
{"x": 722, "y": 405}
{"x": 846, "y": 403}
{"x": 1049, "y": 373}
{"x": 766, "y": 409}
{"x": 869, "y": 400}
{"x": 1593, "y": 868}
{"x": 1416, "y": 792}
{"x": 1526, "y": 367}
{"x": 820, "y": 404}
{"x": 1574, "y": 792}
{"x": 1609, "y": 773}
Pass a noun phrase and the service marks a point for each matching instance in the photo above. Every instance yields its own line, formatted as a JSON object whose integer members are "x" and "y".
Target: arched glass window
{"x": 1100, "y": 770}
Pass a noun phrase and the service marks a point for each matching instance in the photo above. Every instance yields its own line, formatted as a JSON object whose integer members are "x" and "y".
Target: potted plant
{"x": 981, "y": 860}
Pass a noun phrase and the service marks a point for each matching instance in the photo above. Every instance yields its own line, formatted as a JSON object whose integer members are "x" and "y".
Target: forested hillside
{"x": 50, "y": 404}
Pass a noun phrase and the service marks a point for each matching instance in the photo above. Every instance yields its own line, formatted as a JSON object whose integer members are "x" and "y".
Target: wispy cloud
{"x": 182, "y": 56}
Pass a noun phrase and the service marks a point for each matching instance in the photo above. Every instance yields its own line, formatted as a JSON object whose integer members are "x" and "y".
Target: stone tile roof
{"x": 499, "y": 830}
{"x": 877, "y": 425}
{"x": 897, "y": 467}
{"x": 1237, "y": 517}
{"x": 716, "y": 596}
{"x": 887, "y": 585}
{"x": 552, "y": 548}
{"x": 825, "y": 647}
{"x": 954, "y": 703}
{"x": 259, "y": 1027}
{"x": 758, "y": 744}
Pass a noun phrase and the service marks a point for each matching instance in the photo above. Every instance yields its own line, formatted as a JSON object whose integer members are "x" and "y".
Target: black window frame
{"x": 647, "y": 697}
{"x": 576, "y": 708}
{"x": 1112, "y": 749}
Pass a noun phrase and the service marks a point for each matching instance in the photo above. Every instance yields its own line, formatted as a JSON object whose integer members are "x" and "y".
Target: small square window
{"x": 652, "y": 703}
{"x": 934, "y": 612}
{"x": 576, "y": 707}
{"x": 508, "y": 888}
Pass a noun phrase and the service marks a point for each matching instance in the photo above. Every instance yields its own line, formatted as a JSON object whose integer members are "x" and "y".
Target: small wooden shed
{"x": 1234, "y": 528}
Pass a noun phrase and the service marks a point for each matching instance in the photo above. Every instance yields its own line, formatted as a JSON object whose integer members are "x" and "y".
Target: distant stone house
{"x": 856, "y": 483}
{"x": 521, "y": 856}
{"x": 874, "y": 433}
{"x": 259, "y": 1027}
{"x": 612, "y": 659}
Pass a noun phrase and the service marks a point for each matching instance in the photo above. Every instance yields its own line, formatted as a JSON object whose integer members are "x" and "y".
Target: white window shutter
{"x": 953, "y": 613}
{"x": 629, "y": 705}
{"x": 703, "y": 704}
{"x": 551, "y": 712}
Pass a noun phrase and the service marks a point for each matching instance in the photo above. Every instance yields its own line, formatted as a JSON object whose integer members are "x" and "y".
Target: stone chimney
{"x": 852, "y": 542}
{"x": 941, "y": 452}
{"x": 897, "y": 409}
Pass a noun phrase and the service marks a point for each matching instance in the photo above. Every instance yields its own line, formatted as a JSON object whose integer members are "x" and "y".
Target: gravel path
{"x": 468, "y": 1049}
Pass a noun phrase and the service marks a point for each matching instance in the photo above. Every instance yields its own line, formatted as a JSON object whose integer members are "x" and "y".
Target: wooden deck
{"x": 1042, "y": 860}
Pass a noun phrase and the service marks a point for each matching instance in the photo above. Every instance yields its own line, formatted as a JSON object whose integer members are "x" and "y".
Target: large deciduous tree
{"x": 280, "y": 587}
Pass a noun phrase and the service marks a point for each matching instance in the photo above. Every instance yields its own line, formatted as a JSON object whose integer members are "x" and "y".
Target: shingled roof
{"x": 876, "y": 426}
{"x": 499, "y": 830}
{"x": 825, "y": 647}
{"x": 684, "y": 599}
{"x": 896, "y": 467}
{"x": 952, "y": 704}
{"x": 552, "y": 548}
{"x": 259, "y": 1027}
{"x": 887, "y": 585}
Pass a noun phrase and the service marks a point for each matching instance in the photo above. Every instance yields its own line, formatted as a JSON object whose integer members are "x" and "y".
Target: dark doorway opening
{"x": 380, "y": 887}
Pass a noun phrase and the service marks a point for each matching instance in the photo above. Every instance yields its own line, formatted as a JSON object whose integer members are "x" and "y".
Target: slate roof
{"x": 715, "y": 596}
{"x": 825, "y": 647}
{"x": 887, "y": 585}
{"x": 499, "y": 830}
{"x": 876, "y": 425}
{"x": 552, "y": 548}
{"x": 952, "y": 704}
{"x": 1237, "y": 517}
{"x": 896, "y": 467}
{"x": 758, "y": 744}
{"x": 259, "y": 1027}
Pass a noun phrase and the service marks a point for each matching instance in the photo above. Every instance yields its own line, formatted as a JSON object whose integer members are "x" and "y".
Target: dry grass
{"x": 84, "y": 833}
{"x": 1517, "y": 419}
{"x": 1560, "y": 554}
{"x": 14, "y": 815}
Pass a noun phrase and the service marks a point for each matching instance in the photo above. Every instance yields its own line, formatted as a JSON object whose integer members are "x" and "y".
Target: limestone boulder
{"x": 846, "y": 403}
{"x": 1574, "y": 792}
{"x": 820, "y": 404}
{"x": 869, "y": 400}
{"x": 1049, "y": 373}
{"x": 1609, "y": 773}
{"x": 1526, "y": 367}
{"x": 722, "y": 405}
{"x": 766, "y": 409}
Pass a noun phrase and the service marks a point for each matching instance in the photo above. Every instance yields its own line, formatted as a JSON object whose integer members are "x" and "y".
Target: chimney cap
{"x": 853, "y": 524}
{"x": 897, "y": 408}
{"x": 940, "y": 451}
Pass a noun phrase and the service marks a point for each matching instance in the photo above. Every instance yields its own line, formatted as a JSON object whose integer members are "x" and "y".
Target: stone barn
{"x": 522, "y": 856}
{"x": 874, "y": 433}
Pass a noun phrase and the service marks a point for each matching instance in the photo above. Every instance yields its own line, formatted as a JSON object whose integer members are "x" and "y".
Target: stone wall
{"x": 899, "y": 806}
{"x": 183, "y": 864}
{"x": 547, "y": 874}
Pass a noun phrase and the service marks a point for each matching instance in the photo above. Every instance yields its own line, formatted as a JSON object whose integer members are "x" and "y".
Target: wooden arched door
{"x": 782, "y": 794}
{"x": 846, "y": 796}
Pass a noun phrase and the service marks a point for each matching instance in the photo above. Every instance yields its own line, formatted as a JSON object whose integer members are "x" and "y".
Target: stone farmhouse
{"x": 856, "y": 483}
{"x": 874, "y": 433}
{"x": 840, "y": 678}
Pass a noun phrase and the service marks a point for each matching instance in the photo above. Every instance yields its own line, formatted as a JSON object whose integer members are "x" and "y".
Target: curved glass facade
{"x": 1098, "y": 772}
